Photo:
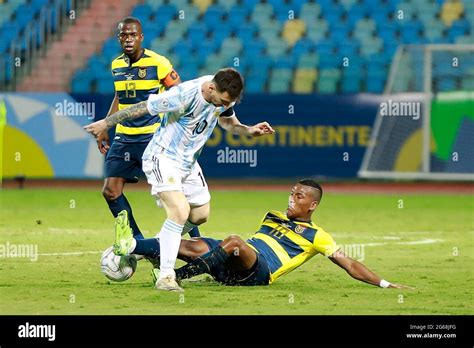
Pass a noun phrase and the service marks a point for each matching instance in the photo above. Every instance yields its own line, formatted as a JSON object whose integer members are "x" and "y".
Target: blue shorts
{"x": 259, "y": 274}
{"x": 124, "y": 160}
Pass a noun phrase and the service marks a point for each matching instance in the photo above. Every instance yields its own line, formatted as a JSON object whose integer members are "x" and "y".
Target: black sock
{"x": 148, "y": 247}
{"x": 119, "y": 204}
{"x": 194, "y": 232}
{"x": 203, "y": 264}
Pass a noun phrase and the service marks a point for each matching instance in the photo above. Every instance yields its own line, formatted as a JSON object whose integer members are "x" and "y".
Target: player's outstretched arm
{"x": 358, "y": 271}
{"x": 233, "y": 125}
{"x": 129, "y": 113}
{"x": 103, "y": 141}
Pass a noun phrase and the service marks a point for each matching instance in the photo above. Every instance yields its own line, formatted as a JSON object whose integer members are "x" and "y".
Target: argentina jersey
{"x": 287, "y": 244}
{"x": 135, "y": 83}
{"x": 187, "y": 124}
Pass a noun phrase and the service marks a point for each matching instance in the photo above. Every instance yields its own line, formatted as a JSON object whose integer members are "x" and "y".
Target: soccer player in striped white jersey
{"x": 192, "y": 110}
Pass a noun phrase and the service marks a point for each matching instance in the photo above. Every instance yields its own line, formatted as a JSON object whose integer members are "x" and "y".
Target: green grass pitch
{"x": 69, "y": 221}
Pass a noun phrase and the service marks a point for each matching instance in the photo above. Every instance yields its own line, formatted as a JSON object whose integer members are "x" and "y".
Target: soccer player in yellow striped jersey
{"x": 283, "y": 242}
{"x": 137, "y": 73}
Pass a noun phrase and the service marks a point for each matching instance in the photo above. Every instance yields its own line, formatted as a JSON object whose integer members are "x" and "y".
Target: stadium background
{"x": 56, "y": 54}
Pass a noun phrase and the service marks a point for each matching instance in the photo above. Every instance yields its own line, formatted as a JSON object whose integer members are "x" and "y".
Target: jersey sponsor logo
{"x": 129, "y": 76}
{"x": 141, "y": 73}
{"x": 119, "y": 73}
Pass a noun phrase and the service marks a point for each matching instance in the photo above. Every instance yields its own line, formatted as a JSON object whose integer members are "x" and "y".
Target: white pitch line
{"x": 72, "y": 254}
{"x": 416, "y": 242}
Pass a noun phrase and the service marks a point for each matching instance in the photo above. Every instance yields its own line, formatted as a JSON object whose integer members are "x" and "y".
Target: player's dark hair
{"x": 314, "y": 184}
{"x": 129, "y": 20}
{"x": 229, "y": 80}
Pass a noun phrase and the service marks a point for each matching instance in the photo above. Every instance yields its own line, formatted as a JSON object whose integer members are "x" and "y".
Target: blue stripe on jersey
{"x": 139, "y": 95}
{"x": 138, "y": 138}
{"x": 143, "y": 121}
{"x": 120, "y": 74}
{"x": 288, "y": 245}
{"x": 309, "y": 234}
{"x": 264, "y": 249}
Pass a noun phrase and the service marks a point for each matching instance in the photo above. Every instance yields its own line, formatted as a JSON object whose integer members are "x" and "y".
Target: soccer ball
{"x": 117, "y": 268}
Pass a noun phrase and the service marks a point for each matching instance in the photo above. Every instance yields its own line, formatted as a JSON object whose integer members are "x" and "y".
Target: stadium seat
{"x": 304, "y": 80}
{"x": 227, "y": 4}
{"x": 451, "y": 11}
{"x": 328, "y": 80}
{"x": 459, "y": 28}
{"x": 202, "y": 5}
{"x": 142, "y": 12}
{"x": 329, "y": 61}
{"x": 376, "y": 80}
{"x": 154, "y": 4}
{"x": 237, "y": 16}
{"x": 371, "y": 46}
{"x": 308, "y": 60}
{"x": 189, "y": 12}
{"x": 347, "y": 4}
{"x": 183, "y": 48}
{"x": 301, "y": 47}
{"x": 247, "y": 32}
{"x": 277, "y": 48}
{"x": 280, "y": 80}
{"x": 293, "y": 30}
{"x": 261, "y": 11}
{"x": 197, "y": 32}
{"x": 255, "y": 85}
{"x": 284, "y": 13}
{"x": 255, "y": 48}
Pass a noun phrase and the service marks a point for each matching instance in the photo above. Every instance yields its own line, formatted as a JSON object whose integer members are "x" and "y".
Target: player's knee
{"x": 111, "y": 193}
{"x": 179, "y": 214}
{"x": 200, "y": 220}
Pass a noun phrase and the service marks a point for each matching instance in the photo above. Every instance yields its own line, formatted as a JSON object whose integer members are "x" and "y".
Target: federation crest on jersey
{"x": 141, "y": 73}
{"x": 299, "y": 229}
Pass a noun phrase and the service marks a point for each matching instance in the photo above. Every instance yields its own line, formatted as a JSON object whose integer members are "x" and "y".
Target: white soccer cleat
{"x": 168, "y": 283}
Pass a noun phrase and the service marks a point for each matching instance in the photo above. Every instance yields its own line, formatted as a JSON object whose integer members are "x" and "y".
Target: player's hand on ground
{"x": 96, "y": 128}
{"x": 103, "y": 142}
{"x": 261, "y": 128}
{"x": 399, "y": 286}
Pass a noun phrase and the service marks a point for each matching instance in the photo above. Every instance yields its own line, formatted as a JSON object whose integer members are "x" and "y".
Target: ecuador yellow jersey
{"x": 287, "y": 244}
{"x": 133, "y": 84}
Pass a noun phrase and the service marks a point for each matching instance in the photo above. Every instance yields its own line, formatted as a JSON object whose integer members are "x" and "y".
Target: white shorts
{"x": 163, "y": 175}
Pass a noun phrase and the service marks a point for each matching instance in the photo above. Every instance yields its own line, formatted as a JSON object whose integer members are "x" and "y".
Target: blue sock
{"x": 195, "y": 232}
{"x": 121, "y": 203}
{"x": 203, "y": 264}
{"x": 148, "y": 247}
